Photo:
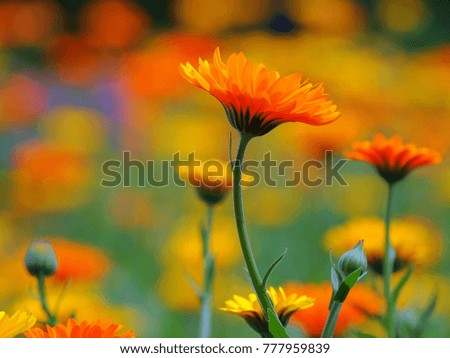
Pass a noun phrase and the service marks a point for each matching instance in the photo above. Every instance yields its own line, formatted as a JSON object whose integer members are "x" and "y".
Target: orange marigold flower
{"x": 84, "y": 329}
{"x": 361, "y": 302}
{"x": 391, "y": 157}
{"x": 257, "y": 100}
{"x": 78, "y": 261}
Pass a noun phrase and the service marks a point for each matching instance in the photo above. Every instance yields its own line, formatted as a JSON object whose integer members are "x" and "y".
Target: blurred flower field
{"x": 82, "y": 82}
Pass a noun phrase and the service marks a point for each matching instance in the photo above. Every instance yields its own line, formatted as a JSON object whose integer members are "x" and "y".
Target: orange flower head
{"x": 257, "y": 100}
{"x": 361, "y": 302}
{"x": 84, "y": 329}
{"x": 391, "y": 157}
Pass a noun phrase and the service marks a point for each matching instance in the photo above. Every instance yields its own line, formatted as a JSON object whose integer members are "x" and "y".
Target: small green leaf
{"x": 272, "y": 267}
{"x": 401, "y": 284}
{"x": 275, "y": 327}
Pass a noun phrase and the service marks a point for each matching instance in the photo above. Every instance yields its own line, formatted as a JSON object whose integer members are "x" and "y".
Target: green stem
{"x": 255, "y": 277}
{"x": 51, "y": 319}
{"x": 206, "y": 299}
{"x": 332, "y": 318}
{"x": 388, "y": 268}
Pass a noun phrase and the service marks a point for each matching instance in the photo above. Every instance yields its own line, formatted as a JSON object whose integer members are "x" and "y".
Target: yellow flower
{"x": 16, "y": 324}
{"x": 414, "y": 241}
{"x": 250, "y": 309}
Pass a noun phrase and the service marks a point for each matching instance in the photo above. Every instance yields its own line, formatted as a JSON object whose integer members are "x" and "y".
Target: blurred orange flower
{"x": 49, "y": 179}
{"x": 84, "y": 329}
{"x": 391, "y": 157}
{"x": 257, "y": 100}
{"x": 28, "y": 22}
{"x": 114, "y": 24}
{"x": 75, "y": 61}
{"x": 22, "y": 100}
{"x": 361, "y": 301}
{"x": 78, "y": 261}
{"x": 160, "y": 63}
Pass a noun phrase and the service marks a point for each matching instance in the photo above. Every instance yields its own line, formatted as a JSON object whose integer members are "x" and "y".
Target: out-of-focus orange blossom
{"x": 28, "y": 22}
{"x": 49, "y": 179}
{"x": 114, "y": 24}
{"x": 152, "y": 71}
{"x": 74, "y": 60}
{"x": 22, "y": 100}
{"x": 361, "y": 301}
{"x": 79, "y": 262}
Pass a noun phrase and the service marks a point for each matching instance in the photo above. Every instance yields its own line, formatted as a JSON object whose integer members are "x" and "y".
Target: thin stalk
{"x": 255, "y": 277}
{"x": 388, "y": 268}
{"x": 206, "y": 298}
{"x": 51, "y": 319}
{"x": 332, "y": 318}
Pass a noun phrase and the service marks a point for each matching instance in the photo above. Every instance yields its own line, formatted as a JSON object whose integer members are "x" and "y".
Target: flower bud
{"x": 352, "y": 260}
{"x": 40, "y": 259}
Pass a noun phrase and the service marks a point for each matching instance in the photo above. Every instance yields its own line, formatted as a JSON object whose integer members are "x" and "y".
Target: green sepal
{"x": 275, "y": 327}
{"x": 272, "y": 268}
{"x": 347, "y": 285}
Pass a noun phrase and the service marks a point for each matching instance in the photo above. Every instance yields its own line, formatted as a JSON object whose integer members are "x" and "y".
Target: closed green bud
{"x": 352, "y": 260}
{"x": 40, "y": 259}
